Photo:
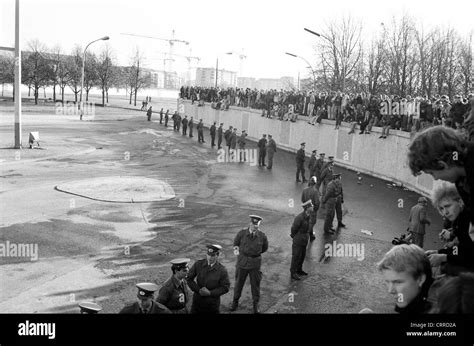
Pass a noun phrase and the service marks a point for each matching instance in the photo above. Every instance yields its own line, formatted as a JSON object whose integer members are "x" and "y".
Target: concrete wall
{"x": 383, "y": 158}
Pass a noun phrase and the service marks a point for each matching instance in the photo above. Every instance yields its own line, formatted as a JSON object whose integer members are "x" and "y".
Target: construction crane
{"x": 171, "y": 42}
{"x": 188, "y": 58}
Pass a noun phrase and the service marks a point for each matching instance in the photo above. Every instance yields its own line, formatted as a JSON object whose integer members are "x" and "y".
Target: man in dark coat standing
{"x": 174, "y": 294}
{"x": 319, "y": 167}
{"x": 148, "y": 113}
{"x": 167, "y": 118}
{"x": 200, "y": 128}
{"x": 249, "y": 244}
{"x": 161, "y": 116}
{"x": 300, "y": 235}
{"x": 209, "y": 280}
{"x": 228, "y": 136}
{"x": 311, "y": 193}
{"x": 262, "y": 150}
{"x": 191, "y": 126}
{"x": 300, "y": 157}
{"x": 219, "y": 136}
{"x": 312, "y": 164}
{"x": 326, "y": 178}
{"x": 333, "y": 198}
{"x": 175, "y": 121}
{"x": 271, "y": 150}
{"x": 185, "y": 124}
{"x": 178, "y": 121}
{"x": 213, "y": 134}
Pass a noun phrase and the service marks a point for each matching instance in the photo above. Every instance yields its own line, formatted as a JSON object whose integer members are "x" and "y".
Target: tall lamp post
{"x": 217, "y": 67}
{"x": 105, "y": 38}
{"x": 306, "y": 61}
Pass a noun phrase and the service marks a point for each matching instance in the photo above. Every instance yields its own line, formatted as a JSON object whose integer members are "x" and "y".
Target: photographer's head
{"x": 407, "y": 272}
{"x": 447, "y": 200}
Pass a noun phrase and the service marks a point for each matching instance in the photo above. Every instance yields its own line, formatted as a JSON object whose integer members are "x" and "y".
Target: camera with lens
{"x": 402, "y": 240}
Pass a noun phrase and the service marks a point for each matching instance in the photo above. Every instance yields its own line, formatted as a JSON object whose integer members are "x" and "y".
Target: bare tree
{"x": 400, "y": 54}
{"x": 341, "y": 50}
{"x": 37, "y": 68}
{"x": 139, "y": 79}
{"x": 7, "y": 71}
{"x": 91, "y": 76}
{"x": 451, "y": 63}
{"x": 465, "y": 64}
{"x": 74, "y": 67}
{"x": 55, "y": 56}
{"x": 104, "y": 70}
{"x": 376, "y": 65}
{"x": 62, "y": 74}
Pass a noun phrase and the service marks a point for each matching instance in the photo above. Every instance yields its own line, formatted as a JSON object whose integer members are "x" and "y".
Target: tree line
{"x": 402, "y": 58}
{"x": 43, "y": 67}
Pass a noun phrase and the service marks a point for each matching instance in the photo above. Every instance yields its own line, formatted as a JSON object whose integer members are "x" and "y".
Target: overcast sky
{"x": 264, "y": 29}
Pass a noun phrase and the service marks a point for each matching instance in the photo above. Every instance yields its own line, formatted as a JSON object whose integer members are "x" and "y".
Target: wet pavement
{"x": 96, "y": 250}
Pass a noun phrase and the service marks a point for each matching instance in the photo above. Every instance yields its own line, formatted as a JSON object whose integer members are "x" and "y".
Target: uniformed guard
{"x": 300, "y": 157}
{"x": 227, "y": 136}
{"x": 212, "y": 281}
{"x": 89, "y": 308}
{"x": 200, "y": 128}
{"x": 262, "y": 150}
{"x": 219, "y": 135}
{"x": 178, "y": 121}
{"x": 174, "y": 117}
{"x": 312, "y": 163}
{"x": 167, "y": 117}
{"x": 300, "y": 235}
{"x": 185, "y": 124}
{"x": 191, "y": 126}
{"x": 242, "y": 142}
{"x": 175, "y": 292}
{"x": 334, "y": 198}
{"x": 271, "y": 150}
{"x": 145, "y": 303}
{"x": 311, "y": 193}
{"x": 149, "y": 112}
{"x": 330, "y": 162}
{"x": 326, "y": 178}
{"x": 319, "y": 168}
{"x": 213, "y": 134}
{"x": 249, "y": 244}
{"x": 161, "y": 116}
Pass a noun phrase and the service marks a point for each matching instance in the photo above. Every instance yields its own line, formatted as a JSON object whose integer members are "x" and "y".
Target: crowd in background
{"x": 361, "y": 109}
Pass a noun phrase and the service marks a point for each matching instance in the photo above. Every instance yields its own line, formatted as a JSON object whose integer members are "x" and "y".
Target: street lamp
{"x": 105, "y": 38}
{"x": 306, "y": 61}
{"x": 217, "y": 66}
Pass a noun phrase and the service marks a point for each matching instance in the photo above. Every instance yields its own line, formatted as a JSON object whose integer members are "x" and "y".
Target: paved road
{"x": 98, "y": 250}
